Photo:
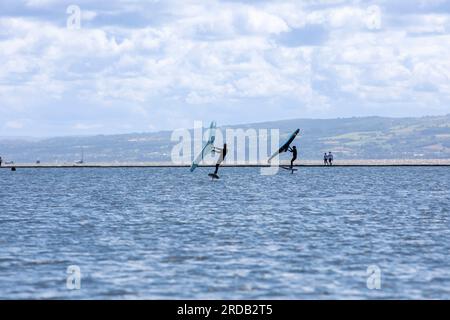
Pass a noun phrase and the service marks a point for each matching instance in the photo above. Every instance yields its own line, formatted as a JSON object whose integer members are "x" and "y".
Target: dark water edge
{"x": 168, "y": 233}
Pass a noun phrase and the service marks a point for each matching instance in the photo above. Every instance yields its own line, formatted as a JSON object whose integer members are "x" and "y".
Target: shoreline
{"x": 304, "y": 163}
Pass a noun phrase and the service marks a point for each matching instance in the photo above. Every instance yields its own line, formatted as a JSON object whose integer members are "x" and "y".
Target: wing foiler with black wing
{"x": 285, "y": 146}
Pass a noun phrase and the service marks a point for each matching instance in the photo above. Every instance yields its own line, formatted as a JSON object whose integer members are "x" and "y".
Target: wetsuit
{"x": 294, "y": 156}
{"x": 222, "y": 156}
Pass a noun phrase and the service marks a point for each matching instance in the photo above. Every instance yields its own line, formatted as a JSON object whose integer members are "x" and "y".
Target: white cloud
{"x": 192, "y": 54}
{"x": 39, "y": 3}
{"x": 14, "y": 124}
{"x": 260, "y": 21}
{"x": 88, "y": 15}
{"x": 84, "y": 126}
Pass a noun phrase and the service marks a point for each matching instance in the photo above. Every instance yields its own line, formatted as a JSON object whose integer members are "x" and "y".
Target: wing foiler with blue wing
{"x": 207, "y": 148}
{"x": 285, "y": 146}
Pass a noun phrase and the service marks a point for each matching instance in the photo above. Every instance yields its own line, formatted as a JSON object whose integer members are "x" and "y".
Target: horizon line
{"x": 29, "y": 137}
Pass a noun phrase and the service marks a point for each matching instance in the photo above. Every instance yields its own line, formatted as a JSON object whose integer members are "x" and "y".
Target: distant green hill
{"x": 347, "y": 138}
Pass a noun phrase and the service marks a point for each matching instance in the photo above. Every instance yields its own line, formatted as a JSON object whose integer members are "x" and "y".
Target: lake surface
{"x": 168, "y": 233}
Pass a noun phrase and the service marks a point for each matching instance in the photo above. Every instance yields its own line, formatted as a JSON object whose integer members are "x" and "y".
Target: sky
{"x": 85, "y": 67}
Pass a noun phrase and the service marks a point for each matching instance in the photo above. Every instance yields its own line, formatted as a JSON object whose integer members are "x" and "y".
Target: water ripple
{"x": 167, "y": 233}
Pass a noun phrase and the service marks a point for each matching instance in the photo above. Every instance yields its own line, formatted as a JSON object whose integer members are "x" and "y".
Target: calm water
{"x": 167, "y": 233}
